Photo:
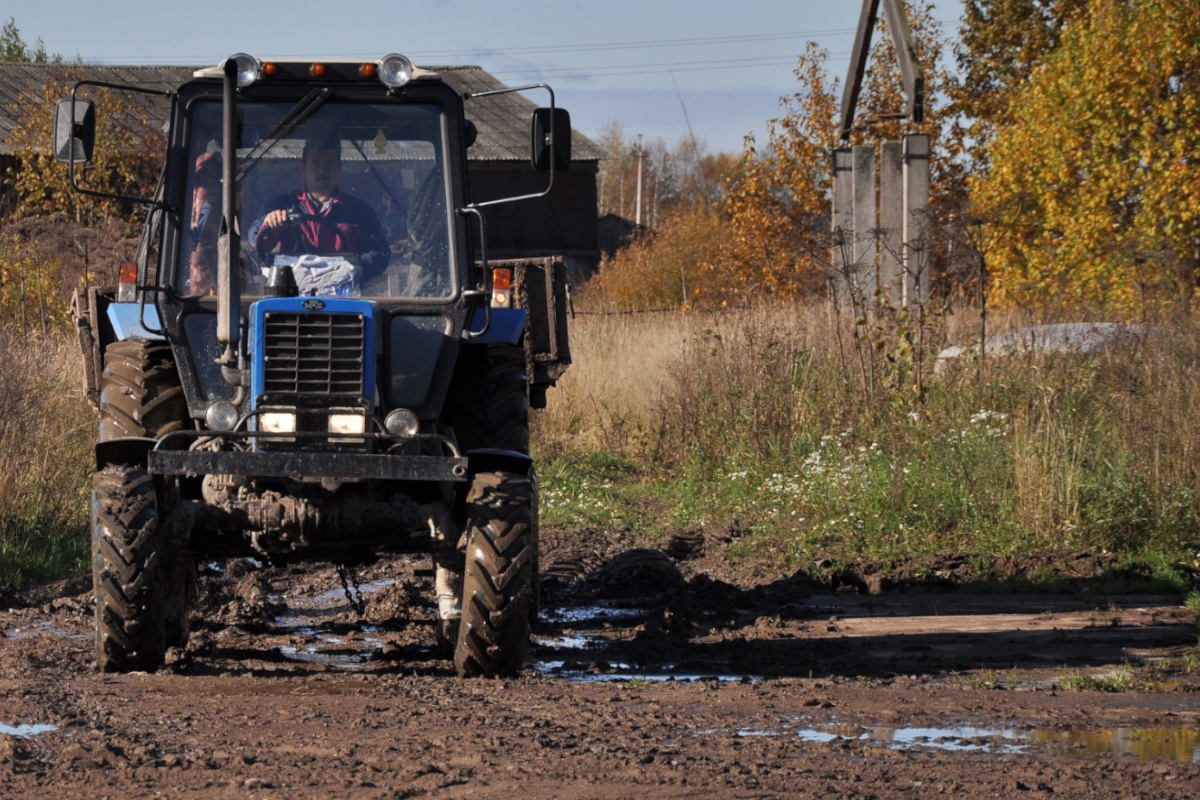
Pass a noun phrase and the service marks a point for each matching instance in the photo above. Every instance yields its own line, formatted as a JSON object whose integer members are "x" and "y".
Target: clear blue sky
{"x": 624, "y": 60}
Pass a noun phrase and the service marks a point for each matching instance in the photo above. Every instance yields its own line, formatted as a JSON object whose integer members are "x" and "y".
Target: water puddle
{"x": 1095, "y": 744}
{"x": 44, "y": 629}
{"x": 329, "y": 653}
{"x": 26, "y": 731}
{"x": 581, "y": 614}
{"x": 618, "y": 672}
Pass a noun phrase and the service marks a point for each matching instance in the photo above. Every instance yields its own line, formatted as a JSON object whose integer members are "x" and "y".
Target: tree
{"x": 778, "y": 205}
{"x": 1099, "y": 157}
{"x": 1001, "y": 43}
{"x": 14, "y": 48}
{"x": 671, "y": 177}
{"x": 128, "y": 156}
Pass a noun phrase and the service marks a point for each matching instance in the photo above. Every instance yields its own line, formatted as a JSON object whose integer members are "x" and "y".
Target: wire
{"x": 475, "y": 53}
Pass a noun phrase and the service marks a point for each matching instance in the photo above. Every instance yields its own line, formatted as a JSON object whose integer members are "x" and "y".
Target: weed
{"x": 984, "y": 679}
{"x": 1120, "y": 681}
{"x": 637, "y": 684}
{"x": 1192, "y": 602}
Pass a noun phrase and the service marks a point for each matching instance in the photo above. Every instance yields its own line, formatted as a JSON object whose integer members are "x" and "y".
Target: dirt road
{"x": 654, "y": 674}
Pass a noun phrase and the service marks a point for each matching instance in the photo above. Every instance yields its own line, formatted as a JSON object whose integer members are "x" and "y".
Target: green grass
{"x": 761, "y": 424}
{"x": 1192, "y": 602}
{"x": 1121, "y": 681}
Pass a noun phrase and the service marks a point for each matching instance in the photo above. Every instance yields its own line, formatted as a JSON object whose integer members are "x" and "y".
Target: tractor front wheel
{"x": 499, "y": 580}
{"x": 127, "y": 571}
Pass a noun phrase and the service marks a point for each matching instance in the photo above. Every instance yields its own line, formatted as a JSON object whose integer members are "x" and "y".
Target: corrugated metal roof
{"x": 502, "y": 120}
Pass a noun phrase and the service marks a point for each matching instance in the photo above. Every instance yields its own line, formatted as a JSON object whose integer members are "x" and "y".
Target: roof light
{"x": 317, "y": 70}
{"x": 268, "y": 69}
{"x": 248, "y": 69}
{"x": 367, "y": 70}
{"x": 395, "y": 70}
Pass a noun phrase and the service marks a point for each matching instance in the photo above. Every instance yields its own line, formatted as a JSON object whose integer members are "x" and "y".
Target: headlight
{"x": 247, "y": 69}
{"x": 222, "y": 415}
{"x": 277, "y": 421}
{"x": 395, "y": 70}
{"x": 347, "y": 423}
{"x": 402, "y": 423}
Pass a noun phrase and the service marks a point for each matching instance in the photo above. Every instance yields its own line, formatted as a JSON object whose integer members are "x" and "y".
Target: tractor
{"x": 342, "y": 378}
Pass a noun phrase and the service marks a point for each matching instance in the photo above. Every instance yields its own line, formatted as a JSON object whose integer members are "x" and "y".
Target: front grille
{"x": 314, "y": 354}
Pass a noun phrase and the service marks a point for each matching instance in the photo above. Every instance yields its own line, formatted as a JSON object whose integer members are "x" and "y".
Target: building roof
{"x": 502, "y": 120}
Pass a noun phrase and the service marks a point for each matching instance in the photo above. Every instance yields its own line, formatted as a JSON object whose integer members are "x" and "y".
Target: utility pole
{"x": 638, "y": 219}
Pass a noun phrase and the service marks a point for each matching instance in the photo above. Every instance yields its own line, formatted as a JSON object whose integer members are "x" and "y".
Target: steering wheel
{"x": 296, "y": 217}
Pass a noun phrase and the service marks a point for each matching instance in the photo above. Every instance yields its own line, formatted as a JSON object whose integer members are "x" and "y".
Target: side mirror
{"x": 543, "y": 148}
{"x": 470, "y": 132}
{"x": 74, "y": 130}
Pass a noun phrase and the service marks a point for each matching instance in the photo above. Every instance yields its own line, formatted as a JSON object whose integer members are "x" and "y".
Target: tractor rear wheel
{"x": 127, "y": 571}
{"x": 140, "y": 392}
{"x": 488, "y": 401}
{"x": 499, "y": 581}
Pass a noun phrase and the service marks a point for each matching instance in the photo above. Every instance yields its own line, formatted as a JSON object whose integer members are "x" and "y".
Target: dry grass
{"x": 46, "y": 431}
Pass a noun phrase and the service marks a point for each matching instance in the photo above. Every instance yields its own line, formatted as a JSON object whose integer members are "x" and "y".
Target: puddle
{"x": 1094, "y": 744}
{"x": 615, "y": 672}
{"x": 44, "y": 629}
{"x": 26, "y": 731}
{"x": 331, "y": 651}
{"x": 600, "y": 613}
{"x": 567, "y": 642}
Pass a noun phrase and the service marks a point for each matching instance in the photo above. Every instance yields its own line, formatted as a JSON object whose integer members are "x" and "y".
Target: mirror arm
{"x": 550, "y": 185}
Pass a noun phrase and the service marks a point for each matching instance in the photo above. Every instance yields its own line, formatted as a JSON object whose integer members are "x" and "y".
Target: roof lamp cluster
{"x": 392, "y": 70}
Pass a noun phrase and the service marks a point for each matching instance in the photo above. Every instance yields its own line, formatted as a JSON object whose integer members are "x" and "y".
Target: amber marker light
{"x": 502, "y": 279}
{"x": 367, "y": 70}
{"x": 268, "y": 69}
{"x": 127, "y": 282}
{"x": 317, "y": 70}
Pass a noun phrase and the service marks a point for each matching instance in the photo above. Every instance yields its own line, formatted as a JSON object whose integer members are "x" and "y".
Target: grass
{"x": 775, "y": 426}
{"x": 46, "y": 432}
{"x": 1192, "y": 602}
{"x": 1122, "y": 680}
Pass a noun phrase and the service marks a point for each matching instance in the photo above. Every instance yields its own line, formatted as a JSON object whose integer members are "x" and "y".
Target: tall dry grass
{"x": 46, "y": 433}
{"x": 813, "y": 432}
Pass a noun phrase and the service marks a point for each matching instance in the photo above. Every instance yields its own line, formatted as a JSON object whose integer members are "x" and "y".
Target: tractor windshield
{"x": 351, "y": 196}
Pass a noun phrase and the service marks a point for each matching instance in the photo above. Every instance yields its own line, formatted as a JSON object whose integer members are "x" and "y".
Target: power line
{"x": 426, "y": 54}
{"x": 652, "y": 69}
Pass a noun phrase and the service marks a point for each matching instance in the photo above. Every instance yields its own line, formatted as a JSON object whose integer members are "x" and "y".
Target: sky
{"x": 665, "y": 69}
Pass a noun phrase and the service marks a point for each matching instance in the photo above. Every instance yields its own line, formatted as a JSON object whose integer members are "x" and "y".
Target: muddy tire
{"x": 141, "y": 396}
{"x": 127, "y": 571}
{"x": 488, "y": 401}
{"x": 498, "y": 584}
{"x": 140, "y": 392}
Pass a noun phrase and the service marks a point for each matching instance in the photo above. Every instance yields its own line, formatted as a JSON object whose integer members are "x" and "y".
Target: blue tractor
{"x": 311, "y": 358}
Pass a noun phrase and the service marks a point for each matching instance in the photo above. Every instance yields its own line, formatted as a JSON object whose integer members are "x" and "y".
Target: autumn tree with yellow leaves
{"x": 1097, "y": 167}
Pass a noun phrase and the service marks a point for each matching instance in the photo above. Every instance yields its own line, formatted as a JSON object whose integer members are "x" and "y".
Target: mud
{"x": 653, "y": 672}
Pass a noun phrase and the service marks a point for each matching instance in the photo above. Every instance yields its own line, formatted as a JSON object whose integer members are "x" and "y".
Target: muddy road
{"x": 654, "y": 673}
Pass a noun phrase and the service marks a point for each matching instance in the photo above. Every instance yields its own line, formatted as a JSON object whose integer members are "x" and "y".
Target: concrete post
{"x": 916, "y": 218}
{"x": 891, "y": 221}
{"x": 865, "y": 214}
{"x": 843, "y": 217}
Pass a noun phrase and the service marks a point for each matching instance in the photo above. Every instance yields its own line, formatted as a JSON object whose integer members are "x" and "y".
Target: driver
{"x": 320, "y": 217}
